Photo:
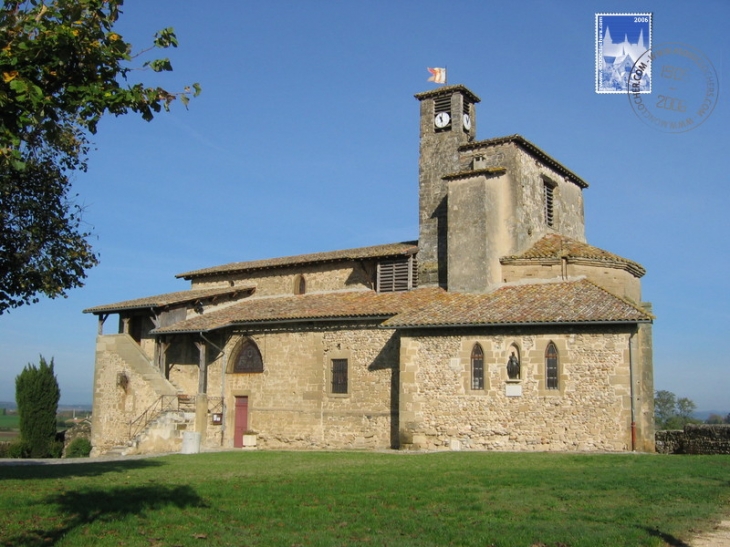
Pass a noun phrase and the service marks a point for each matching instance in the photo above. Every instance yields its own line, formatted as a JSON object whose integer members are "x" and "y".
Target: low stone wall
{"x": 669, "y": 442}
{"x": 695, "y": 439}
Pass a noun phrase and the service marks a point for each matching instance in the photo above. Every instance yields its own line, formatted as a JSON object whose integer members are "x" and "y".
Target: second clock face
{"x": 442, "y": 119}
{"x": 467, "y": 122}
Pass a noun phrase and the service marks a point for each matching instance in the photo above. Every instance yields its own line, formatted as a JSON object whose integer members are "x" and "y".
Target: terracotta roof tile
{"x": 553, "y": 247}
{"x": 168, "y": 299}
{"x": 447, "y": 90}
{"x": 536, "y": 303}
{"x": 378, "y": 251}
{"x": 324, "y": 306}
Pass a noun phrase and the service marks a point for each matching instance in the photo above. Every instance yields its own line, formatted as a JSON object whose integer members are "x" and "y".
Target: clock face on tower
{"x": 467, "y": 122}
{"x": 442, "y": 119}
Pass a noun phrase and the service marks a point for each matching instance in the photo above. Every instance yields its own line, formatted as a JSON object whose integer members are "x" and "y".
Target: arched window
{"x": 300, "y": 285}
{"x": 551, "y": 366}
{"x": 477, "y": 367}
{"x": 247, "y": 359}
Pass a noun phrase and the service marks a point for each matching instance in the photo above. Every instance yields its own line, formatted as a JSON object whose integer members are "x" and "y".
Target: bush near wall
{"x": 79, "y": 448}
{"x": 695, "y": 439}
{"x": 76, "y": 438}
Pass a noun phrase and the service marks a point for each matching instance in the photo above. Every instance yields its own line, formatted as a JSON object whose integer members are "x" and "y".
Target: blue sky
{"x": 305, "y": 139}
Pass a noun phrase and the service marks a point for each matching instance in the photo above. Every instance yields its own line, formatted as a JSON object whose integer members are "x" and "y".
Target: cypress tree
{"x": 37, "y": 394}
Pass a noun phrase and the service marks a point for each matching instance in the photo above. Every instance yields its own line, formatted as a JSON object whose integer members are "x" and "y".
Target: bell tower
{"x": 448, "y": 120}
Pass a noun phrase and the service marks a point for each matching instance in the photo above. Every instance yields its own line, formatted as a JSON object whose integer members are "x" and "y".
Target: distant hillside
{"x": 704, "y": 414}
{"x": 10, "y": 405}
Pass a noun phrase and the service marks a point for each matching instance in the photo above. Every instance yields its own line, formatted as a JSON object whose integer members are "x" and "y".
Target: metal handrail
{"x": 164, "y": 404}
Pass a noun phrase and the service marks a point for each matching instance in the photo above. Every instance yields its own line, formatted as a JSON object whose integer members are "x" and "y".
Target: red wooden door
{"x": 241, "y": 423}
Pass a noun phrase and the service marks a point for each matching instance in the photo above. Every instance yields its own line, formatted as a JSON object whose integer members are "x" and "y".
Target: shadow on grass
{"x": 666, "y": 538}
{"x": 20, "y": 469}
{"x": 84, "y": 507}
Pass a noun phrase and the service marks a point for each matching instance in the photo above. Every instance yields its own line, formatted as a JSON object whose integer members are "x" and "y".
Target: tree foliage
{"x": 62, "y": 68}
{"x": 671, "y": 412}
{"x": 716, "y": 419}
{"x": 79, "y": 448}
{"x": 37, "y": 395}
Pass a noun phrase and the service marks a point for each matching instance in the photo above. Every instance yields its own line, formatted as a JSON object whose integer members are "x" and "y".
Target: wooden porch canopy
{"x": 162, "y": 302}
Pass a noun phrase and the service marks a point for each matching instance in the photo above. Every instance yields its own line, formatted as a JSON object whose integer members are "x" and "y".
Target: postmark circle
{"x": 684, "y": 88}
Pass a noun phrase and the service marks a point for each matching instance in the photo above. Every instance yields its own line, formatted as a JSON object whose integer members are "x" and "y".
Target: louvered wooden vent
{"x": 442, "y": 104}
{"x": 549, "y": 203}
{"x": 400, "y": 274}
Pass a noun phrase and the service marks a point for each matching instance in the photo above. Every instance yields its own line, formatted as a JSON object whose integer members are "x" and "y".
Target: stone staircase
{"x": 163, "y": 433}
{"x": 128, "y": 350}
{"x": 159, "y": 428}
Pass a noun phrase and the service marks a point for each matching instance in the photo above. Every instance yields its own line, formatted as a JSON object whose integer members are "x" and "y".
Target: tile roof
{"x": 537, "y": 303}
{"x": 377, "y": 251}
{"x": 553, "y": 247}
{"x": 447, "y": 90}
{"x": 532, "y": 150}
{"x": 308, "y": 307}
{"x": 488, "y": 171}
{"x": 168, "y": 299}
{"x": 555, "y": 302}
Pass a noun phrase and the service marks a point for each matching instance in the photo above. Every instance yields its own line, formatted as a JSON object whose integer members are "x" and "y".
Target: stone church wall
{"x": 125, "y": 385}
{"x": 290, "y": 403}
{"x": 589, "y": 411}
{"x": 529, "y": 223}
{"x": 522, "y": 206}
{"x": 280, "y": 281}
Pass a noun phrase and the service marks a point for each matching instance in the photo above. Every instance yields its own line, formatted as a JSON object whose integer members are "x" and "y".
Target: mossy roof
{"x": 168, "y": 299}
{"x": 377, "y": 251}
{"x": 553, "y": 247}
{"x": 553, "y": 302}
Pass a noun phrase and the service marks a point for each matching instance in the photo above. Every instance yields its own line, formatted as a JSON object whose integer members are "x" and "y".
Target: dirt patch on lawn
{"x": 719, "y": 537}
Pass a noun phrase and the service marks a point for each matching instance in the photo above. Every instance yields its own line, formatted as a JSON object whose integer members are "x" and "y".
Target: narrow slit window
{"x": 551, "y": 366}
{"x": 339, "y": 375}
{"x": 300, "y": 284}
{"x": 477, "y": 367}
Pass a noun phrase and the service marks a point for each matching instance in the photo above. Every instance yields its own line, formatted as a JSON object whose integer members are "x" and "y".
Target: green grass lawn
{"x": 361, "y": 498}
{"x": 9, "y": 424}
{"x": 9, "y": 421}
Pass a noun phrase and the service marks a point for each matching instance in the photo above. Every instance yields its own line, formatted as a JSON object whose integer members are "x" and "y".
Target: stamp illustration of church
{"x": 500, "y": 328}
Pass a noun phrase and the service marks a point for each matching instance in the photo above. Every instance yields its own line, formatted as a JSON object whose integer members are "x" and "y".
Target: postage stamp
{"x": 621, "y": 38}
{"x": 686, "y": 88}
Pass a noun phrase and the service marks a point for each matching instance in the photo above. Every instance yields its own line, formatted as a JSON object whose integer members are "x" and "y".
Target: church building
{"x": 500, "y": 328}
